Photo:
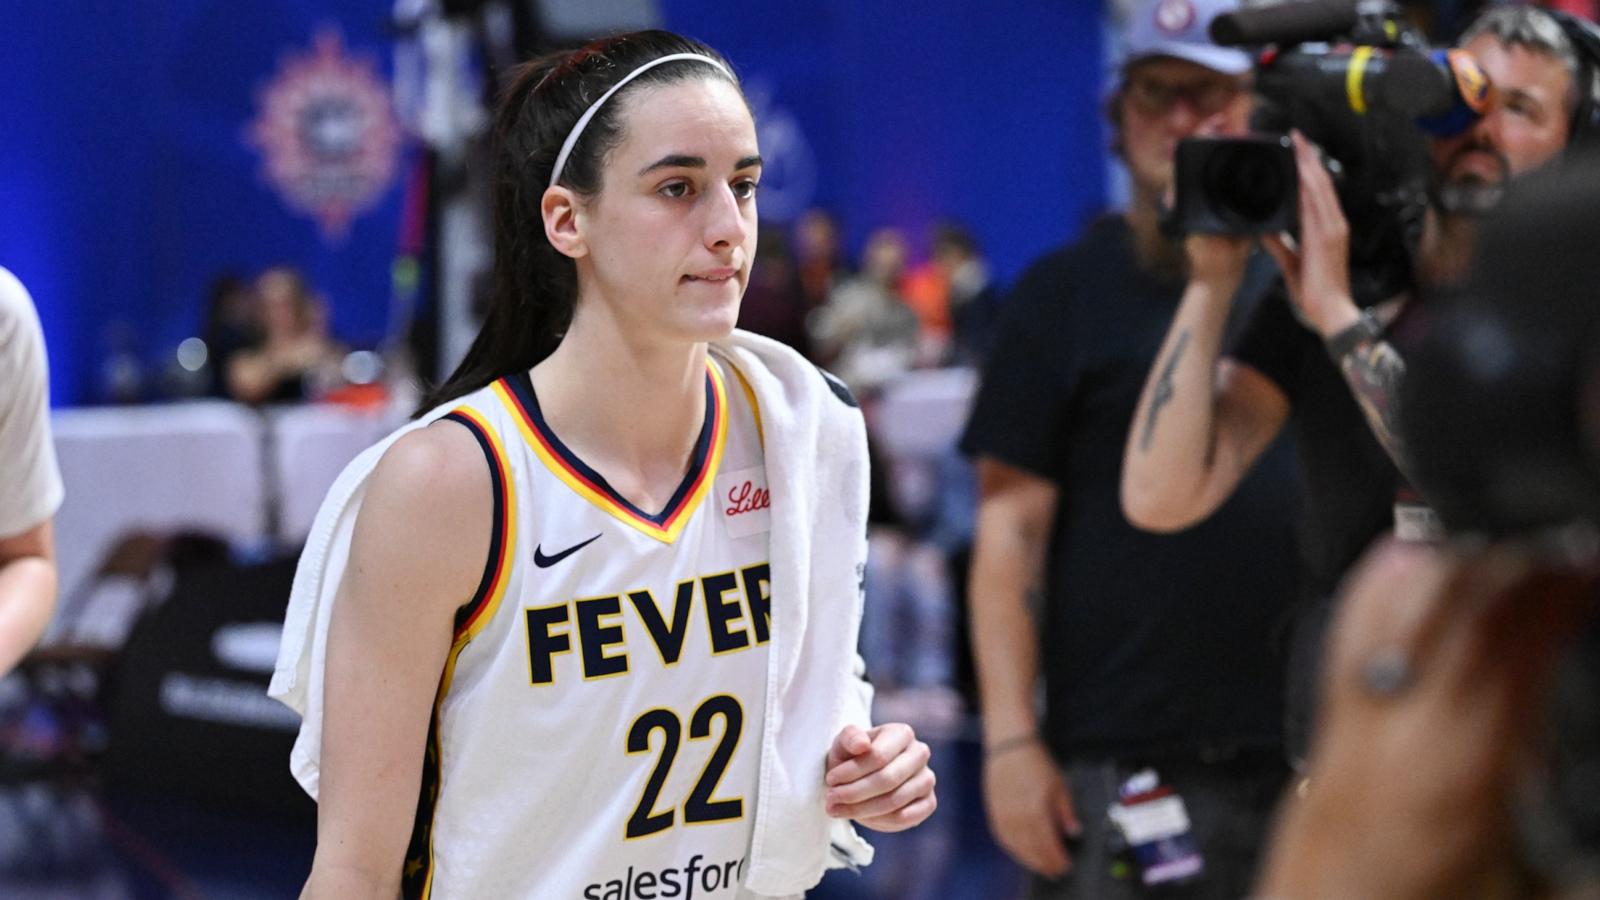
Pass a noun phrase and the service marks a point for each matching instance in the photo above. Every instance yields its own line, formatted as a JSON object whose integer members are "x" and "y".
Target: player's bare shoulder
{"x": 435, "y": 463}
{"x": 428, "y": 509}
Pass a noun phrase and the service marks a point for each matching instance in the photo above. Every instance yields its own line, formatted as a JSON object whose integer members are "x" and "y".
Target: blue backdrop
{"x": 987, "y": 113}
{"x": 127, "y": 181}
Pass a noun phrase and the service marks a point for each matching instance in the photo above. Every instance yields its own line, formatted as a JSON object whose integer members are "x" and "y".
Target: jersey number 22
{"x": 700, "y": 807}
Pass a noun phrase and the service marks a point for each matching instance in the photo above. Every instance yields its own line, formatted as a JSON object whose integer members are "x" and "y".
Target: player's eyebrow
{"x": 683, "y": 161}
{"x": 675, "y": 161}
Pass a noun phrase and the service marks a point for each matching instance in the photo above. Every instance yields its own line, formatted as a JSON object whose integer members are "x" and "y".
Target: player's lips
{"x": 713, "y": 275}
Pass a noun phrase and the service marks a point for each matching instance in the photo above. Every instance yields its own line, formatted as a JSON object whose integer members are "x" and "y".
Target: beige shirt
{"x": 30, "y": 482}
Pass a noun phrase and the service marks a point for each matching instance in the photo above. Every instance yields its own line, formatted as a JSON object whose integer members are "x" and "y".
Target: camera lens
{"x": 1248, "y": 183}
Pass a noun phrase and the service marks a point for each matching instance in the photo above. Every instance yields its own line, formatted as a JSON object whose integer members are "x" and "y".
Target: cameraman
{"x": 1457, "y": 742}
{"x": 1204, "y": 419}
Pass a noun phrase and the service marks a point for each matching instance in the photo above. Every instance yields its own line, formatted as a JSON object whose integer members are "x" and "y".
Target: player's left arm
{"x": 880, "y": 777}
{"x": 27, "y": 591}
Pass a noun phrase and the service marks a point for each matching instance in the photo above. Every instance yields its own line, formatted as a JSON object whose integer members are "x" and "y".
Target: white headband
{"x": 583, "y": 121}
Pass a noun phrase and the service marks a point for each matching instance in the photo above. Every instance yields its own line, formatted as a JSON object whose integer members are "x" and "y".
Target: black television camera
{"x": 1365, "y": 87}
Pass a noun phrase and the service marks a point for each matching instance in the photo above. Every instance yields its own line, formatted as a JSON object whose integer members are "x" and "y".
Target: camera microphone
{"x": 1445, "y": 92}
{"x": 1286, "y": 23}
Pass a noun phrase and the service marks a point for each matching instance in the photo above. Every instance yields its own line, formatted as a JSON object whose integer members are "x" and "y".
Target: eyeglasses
{"x": 1153, "y": 97}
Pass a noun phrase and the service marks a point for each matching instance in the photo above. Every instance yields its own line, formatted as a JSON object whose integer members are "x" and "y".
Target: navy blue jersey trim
{"x": 497, "y": 534}
{"x": 522, "y": 389}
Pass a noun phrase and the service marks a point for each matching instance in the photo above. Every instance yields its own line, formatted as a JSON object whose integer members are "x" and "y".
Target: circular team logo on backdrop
{"x": 326, "y": 129}
{"x": 1174, "y": 16}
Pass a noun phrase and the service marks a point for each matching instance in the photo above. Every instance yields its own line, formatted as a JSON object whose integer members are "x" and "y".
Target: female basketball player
{"x": 547, "y": 671}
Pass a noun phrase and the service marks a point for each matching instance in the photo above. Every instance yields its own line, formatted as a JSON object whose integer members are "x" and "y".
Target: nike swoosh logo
{"x": 545, "y": 562}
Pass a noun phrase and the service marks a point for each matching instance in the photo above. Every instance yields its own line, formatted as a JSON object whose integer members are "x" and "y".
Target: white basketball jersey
{"x": 598, "y": 726}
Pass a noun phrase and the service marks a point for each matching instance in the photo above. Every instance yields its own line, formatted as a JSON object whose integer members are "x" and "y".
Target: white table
{"x": 180, "y": 466}
{"x": 310, "y": 447}
{"x": 922, "y": 412}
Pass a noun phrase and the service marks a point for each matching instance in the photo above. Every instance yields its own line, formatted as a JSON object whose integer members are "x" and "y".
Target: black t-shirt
{"x": 1350, "y": 483}
{"x": 1149, "y": 643}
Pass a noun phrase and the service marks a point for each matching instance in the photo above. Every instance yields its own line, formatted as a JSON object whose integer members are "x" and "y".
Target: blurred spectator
{"x": 819, "y": 256}
{"x": 232, "y": 324}
{"x": 774, "y": 304}
{"x": 865, "y": 332}
{"x": 927, "y": 291}
{"x": 294, "y": 359}
{"x": 867, "y": 336}
{"x": 974, "y": 301}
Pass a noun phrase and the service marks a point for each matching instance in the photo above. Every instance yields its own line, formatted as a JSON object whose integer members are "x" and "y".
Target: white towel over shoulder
{"x": 816, "y": 459}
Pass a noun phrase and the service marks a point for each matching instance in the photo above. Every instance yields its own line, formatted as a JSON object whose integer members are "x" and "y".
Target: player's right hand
{"x": 1030, "y": 809}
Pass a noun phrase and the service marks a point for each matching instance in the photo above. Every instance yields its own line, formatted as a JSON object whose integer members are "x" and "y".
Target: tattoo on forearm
{"x": 1162, "y": 395}
{"x": 1374, "y": 371}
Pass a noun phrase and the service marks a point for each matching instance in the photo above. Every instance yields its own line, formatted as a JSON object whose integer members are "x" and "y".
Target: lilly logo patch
{"x": 745, "y": 502}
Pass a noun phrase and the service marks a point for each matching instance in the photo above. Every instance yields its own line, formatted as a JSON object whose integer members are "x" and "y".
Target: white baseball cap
{"x": 1180, "y": 29}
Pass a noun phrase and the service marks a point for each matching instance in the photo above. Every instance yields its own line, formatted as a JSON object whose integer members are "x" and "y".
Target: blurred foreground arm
{"x": 27, "y": 591}
{"x": 1434, "y": 685}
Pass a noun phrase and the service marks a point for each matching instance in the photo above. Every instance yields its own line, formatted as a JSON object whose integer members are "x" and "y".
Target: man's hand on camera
{"x": 1317, "y": 271}
{"x": 1030, "y": 808}
{"x": 1217, "y": 261}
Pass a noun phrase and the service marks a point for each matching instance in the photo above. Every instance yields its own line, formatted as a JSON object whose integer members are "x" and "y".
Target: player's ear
{"x": 564, "y": 221}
